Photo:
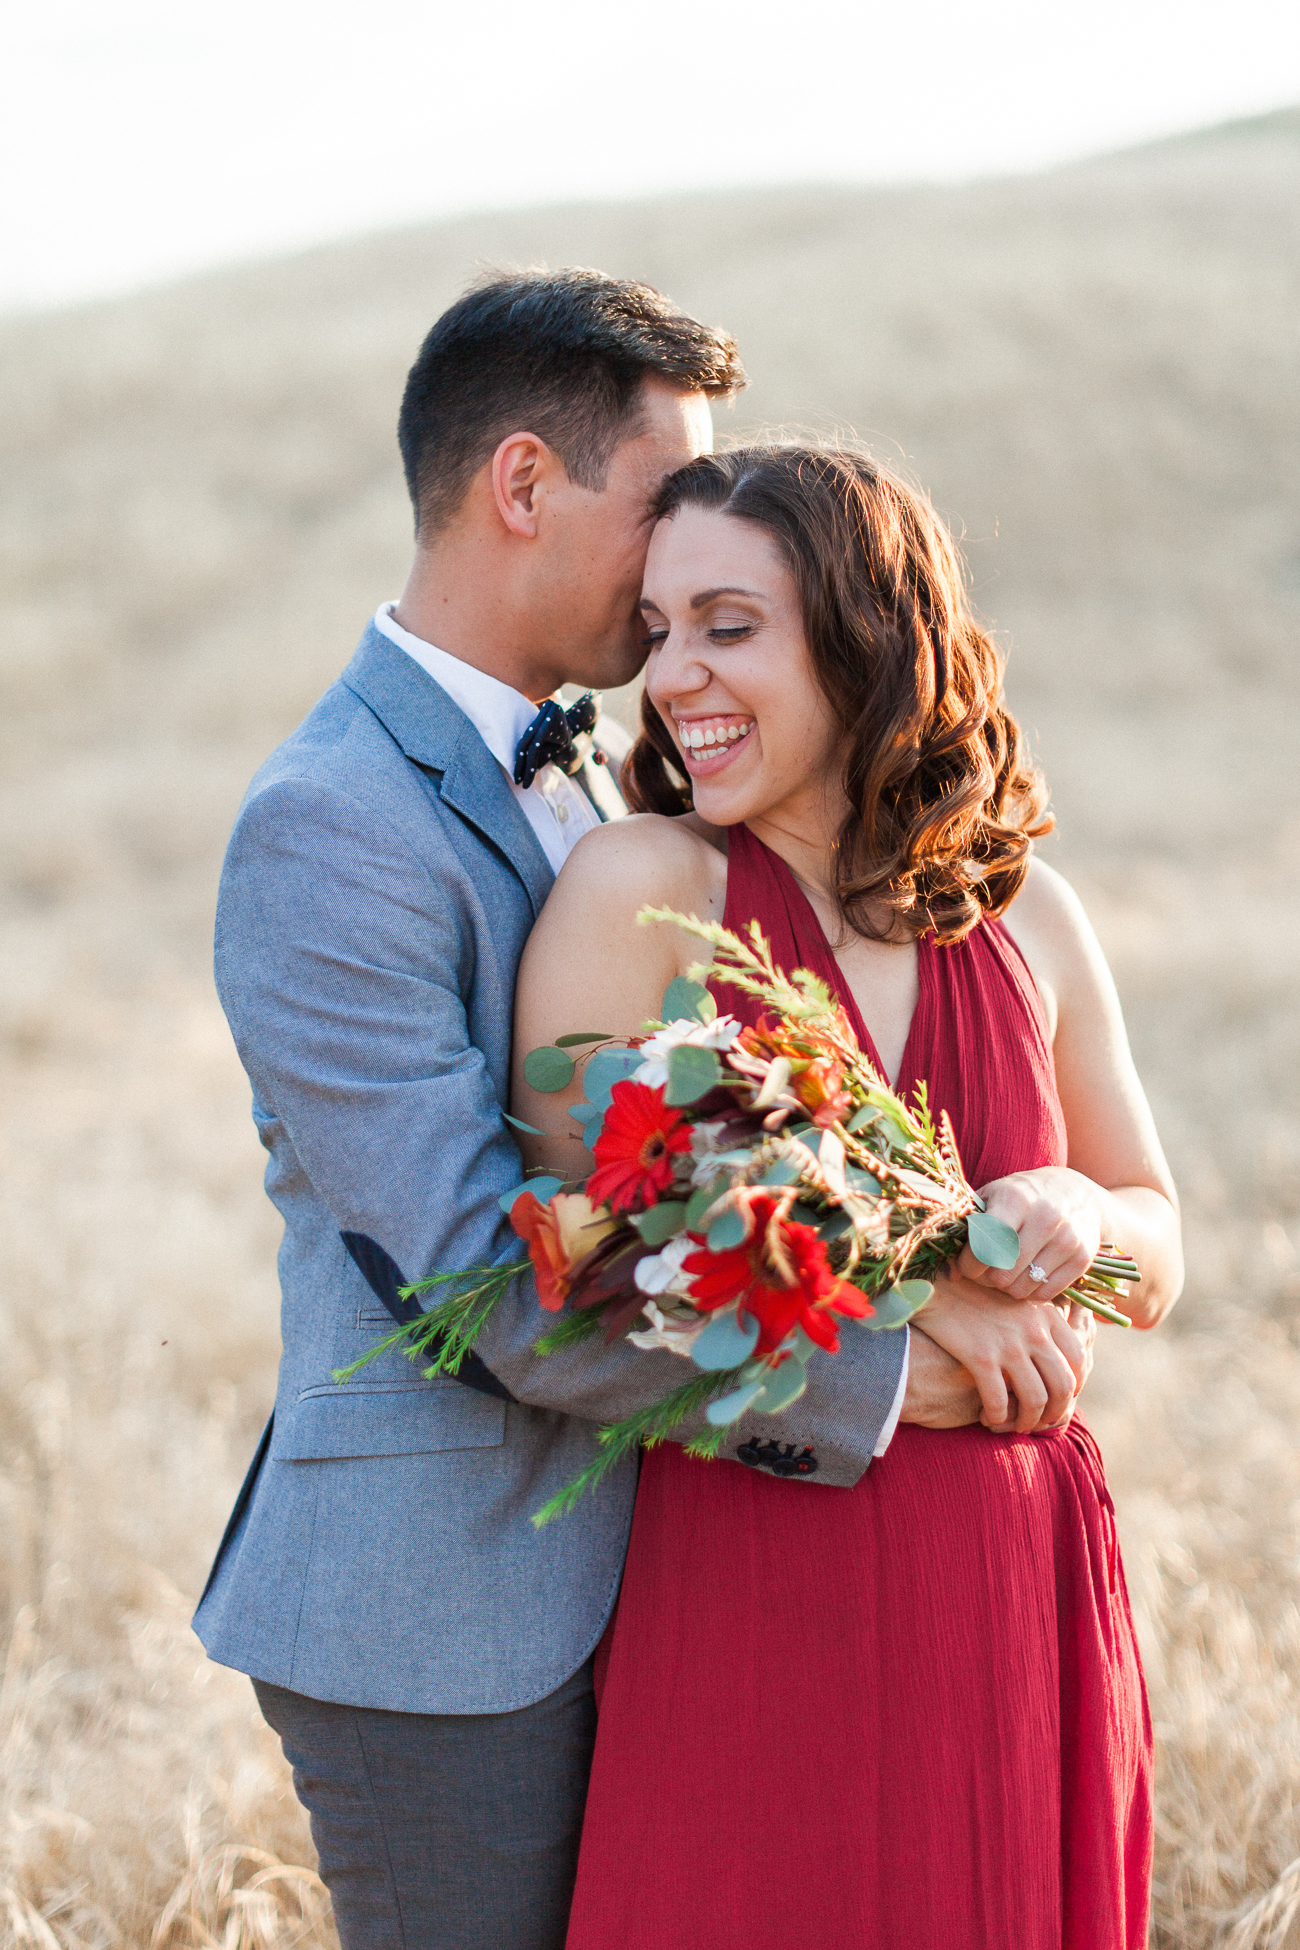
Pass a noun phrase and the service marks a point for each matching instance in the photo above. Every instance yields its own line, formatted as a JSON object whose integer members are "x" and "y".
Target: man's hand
{"x": 1024, "y": 1356}
{"x": 940, "y": 1394}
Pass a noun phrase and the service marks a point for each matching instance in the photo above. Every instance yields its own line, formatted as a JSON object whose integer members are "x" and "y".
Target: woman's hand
{"x": 1026, "y": 1359}
{"x": 1060, "y": 1216}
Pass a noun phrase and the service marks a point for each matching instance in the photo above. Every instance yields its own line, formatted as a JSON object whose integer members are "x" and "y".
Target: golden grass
{"x": 201, "y": 504}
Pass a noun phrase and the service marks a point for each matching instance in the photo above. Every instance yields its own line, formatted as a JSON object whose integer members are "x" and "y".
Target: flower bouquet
{"x": 753, "y": 1188}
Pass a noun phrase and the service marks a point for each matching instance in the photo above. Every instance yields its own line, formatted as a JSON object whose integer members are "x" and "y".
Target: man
{"x": 422, "y": 1651}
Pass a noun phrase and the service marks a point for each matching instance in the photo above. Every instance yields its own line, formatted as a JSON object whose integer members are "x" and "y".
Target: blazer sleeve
{"x": 343, "y": 970}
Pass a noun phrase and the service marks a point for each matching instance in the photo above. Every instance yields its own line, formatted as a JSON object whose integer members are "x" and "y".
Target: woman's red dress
{"x": 905, "y": 1716}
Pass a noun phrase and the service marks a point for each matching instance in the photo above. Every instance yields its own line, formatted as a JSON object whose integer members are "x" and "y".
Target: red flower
{"x": 780, "y": 1274}
{"x": 634, "y": 1152}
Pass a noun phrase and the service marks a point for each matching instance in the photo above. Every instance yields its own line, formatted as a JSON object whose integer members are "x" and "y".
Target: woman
{"x": 909, "y": 1714}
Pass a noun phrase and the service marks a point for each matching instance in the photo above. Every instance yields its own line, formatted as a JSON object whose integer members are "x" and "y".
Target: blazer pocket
{"x": 386, "y": 1418}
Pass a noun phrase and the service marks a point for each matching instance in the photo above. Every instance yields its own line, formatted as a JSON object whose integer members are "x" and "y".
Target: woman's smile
{"x": 709, "y": 742}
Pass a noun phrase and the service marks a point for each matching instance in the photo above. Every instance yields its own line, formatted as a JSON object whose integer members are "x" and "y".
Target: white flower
{"x": 704, "y": 1137}
{"x": 721, "y": 1033}
{"x": 663, "y": 1272}
{"x": 668, "y": 1331}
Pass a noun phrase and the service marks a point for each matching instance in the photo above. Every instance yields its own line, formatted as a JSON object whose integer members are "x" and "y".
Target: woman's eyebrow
{"x": 726, "y": 589}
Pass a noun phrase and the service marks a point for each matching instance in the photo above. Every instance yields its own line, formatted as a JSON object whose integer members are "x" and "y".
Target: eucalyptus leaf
{"x": 728, "y": 1230}
{"x": 784, "y": 1387}
{"x": 809, "y": 1215}
{"x": 698, "y": 1204}
{"x": 661, "y": 1223}
{"x": 685, "y": 1000}
{"x": 863, "y": 1182}
{"x": 891, "y": 1312}
{"x": 834, "y": 1224}
{"x": 520, "y": 1125}
{"x": 548, "y": 1068}
{"x": 804, "y": 1346}
{"x": 783, "y": 1172}
{"x": 541, "y": 1188}
{"x": 891, "y": 1131}
{"x": 582, "y": 1036}
{"x": 606, "y": 1068}
{"x": 692, "y": 1073}
{"x": 730, "y": 1408}
{"x": 583, "y": 1111}
{"x": 725, "y": 1342}
{"x": 861, "y": 1118}
{"x": 993, "y": 1241}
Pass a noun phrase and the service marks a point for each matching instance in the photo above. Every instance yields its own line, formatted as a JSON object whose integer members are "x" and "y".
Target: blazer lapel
{"x": 437, "y": 736}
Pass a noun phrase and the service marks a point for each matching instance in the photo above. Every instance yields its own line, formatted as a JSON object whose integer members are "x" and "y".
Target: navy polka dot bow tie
{"x": 553, "y": 738}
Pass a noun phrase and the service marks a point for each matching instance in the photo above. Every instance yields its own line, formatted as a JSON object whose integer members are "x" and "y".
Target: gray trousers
{"x": 443, "y": 1831}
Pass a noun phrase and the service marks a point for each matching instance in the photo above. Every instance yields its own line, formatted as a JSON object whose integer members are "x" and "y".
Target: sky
{"x": 149, "y": 138}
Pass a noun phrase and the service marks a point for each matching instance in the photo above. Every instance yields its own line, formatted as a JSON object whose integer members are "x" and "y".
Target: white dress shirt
{"x": 558, "y": 811}
{"x": 886, "y": 1435}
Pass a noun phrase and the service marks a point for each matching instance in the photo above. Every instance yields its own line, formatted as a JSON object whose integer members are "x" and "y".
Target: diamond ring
{"x": 1038, "y": 1274}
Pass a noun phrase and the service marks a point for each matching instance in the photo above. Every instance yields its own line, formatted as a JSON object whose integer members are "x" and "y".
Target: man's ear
{"x": 521, "y": 468}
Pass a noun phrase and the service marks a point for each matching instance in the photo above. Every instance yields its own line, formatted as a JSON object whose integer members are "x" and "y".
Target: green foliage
{"x": 685, "y": 1000}
{"x": 993, "y": 1241}
{"x": 895, "y": 1305}
{"x": 606, "y": 1068}
{"x": 568, "y": 1328}
{"x": 578, "y": 1036}
{"x": 698, "y": 1204}
{"x": 728, "y": 1230}
{"x": 692, "y": 1073}
{"x": 542, "y": 1187}
{"x": 647, "y": 1427}
{"x": 661, "y": 1222}
{"x": 448, "y": 1331}
{"x": 548, "y": 1068}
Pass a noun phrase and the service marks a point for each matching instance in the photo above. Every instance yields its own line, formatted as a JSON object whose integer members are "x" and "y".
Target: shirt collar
{"x": 499, "y": 714}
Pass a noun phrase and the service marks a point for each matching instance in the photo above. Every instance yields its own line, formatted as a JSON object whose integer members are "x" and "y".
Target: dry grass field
{"x": 1095, "y": 372}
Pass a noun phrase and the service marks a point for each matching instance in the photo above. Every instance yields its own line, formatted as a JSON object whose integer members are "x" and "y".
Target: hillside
{"x": 1094, "y": 371}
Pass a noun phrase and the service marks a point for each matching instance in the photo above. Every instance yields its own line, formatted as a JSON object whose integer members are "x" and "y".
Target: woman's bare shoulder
{"x": 646, "y": 858}
{"x": 1048, "y": 910}
{"x": 1049, "y": 924}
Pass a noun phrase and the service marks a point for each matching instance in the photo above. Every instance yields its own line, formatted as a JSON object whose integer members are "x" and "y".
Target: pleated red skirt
{"x": 905, "y": 1716}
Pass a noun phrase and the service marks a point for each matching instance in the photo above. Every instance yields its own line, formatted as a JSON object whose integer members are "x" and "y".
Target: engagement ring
{"x": 1037, "y": 1274}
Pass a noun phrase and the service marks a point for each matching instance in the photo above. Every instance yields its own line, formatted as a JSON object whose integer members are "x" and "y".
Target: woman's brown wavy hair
{"x": 945, "y": 801}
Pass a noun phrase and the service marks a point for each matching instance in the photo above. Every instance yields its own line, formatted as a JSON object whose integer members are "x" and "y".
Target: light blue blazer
{"x": 378, "y": 889}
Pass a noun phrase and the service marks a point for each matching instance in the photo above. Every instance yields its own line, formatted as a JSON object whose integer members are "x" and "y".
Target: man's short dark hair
{"x": 561, "y": 354}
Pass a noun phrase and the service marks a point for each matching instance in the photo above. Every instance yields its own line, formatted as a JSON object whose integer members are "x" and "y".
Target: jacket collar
{"x": 436, "y": 735}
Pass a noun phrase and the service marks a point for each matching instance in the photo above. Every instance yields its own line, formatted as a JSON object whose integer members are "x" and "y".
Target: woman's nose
{"x": 675, "y": 669}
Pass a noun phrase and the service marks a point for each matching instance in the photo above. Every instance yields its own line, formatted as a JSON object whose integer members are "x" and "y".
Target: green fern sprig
{"x": 645, "y": 1428}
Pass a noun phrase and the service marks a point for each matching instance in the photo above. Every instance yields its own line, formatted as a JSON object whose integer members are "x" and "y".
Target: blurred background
{"x": 1047, "y": 262}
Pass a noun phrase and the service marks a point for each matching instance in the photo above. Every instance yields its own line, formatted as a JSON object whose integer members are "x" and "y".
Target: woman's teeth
{"x": 710, "y": 738}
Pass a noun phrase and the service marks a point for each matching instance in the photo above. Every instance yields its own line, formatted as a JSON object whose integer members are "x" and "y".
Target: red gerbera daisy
{"x": 780, "y": 1274}
{"x": 634, "y": 1152}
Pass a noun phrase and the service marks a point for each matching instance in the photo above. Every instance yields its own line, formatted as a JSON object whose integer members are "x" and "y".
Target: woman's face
{"x": 731, "y": 676}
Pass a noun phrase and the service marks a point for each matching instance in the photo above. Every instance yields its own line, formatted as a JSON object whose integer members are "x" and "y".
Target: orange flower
{"x": 558, "y": 1235}
{"x": 817, "y": 1069}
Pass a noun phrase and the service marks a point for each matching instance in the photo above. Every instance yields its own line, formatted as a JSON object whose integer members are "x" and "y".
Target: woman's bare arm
{"x": 588, "y": 964}
{"x": 1116, "y": 1185}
